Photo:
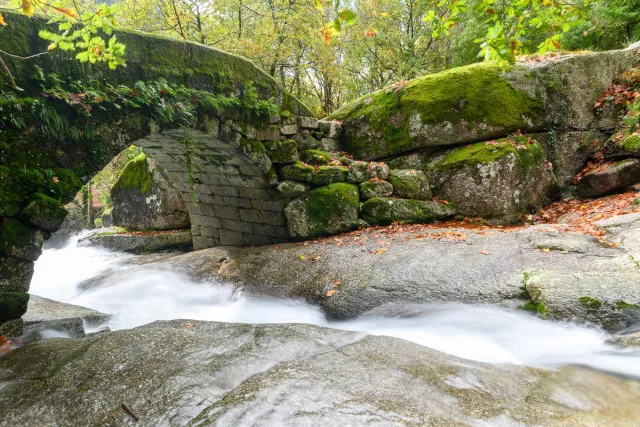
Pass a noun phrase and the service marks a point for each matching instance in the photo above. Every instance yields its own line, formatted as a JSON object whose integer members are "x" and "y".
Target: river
{"x": 137, "y": 294}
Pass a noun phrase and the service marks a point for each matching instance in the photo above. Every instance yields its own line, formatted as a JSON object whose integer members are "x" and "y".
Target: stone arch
{"x": 229, "y": 195}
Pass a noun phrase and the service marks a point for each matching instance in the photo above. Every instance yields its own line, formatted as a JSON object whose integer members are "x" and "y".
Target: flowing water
{"x": 106, "y": 281}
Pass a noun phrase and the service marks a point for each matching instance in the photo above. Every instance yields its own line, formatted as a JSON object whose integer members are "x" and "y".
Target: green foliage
{"x": 135, "y": 175}
{"x": 591, "y": 303}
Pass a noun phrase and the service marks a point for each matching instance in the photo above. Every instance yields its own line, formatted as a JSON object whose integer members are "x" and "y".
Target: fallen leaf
{"x": 190, "y": 325}
{"x": 380, "y": 251}
{"x": 55, "y": 180}
{"x": 330, "y": 293}
{"x": 336, "y": 283}
{"x": 302, "y": 257}
{"x": 545, "y": 250}
{"x": 485, "y": 252}
{"x": 315, "y": 258}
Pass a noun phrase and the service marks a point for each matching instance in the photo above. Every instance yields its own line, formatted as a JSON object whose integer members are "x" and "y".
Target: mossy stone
{"x": 323, "y": 211}
{"x": 20, "y": 240}
{"x": 297, "y": 172}
{"x": 371, "y": 189}
{"x": 44, "y": 212}
{"x": 315, "y": 157}
{"x": 410, "y": 184}
{"x": 135, "y": 174}
{"x": 13, "y": 305}
{"x": 329, "y": 175}
{"x": 386, "y": 210}
{"x": 282, "y": 151}
{"x": 445, "y": 108}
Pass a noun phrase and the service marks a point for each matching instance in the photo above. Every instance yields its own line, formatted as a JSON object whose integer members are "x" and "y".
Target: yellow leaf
{"x": 380, "y": 251}
{"x": 27, "y": 8}
{"x": 69, "y": 12}
{"x": 52, "y": 46}
{"x": 315, "y": 258}
{"x": 545, "y": 250}
{"x": 2, "y": 22}
{"x": 301, "y": 257}
{"x": 190, "y": 325}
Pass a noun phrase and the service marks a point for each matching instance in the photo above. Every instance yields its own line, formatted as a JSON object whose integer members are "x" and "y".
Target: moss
{"x": 590, "y": 302}
{"x": 14, "y": 233}
{"x": 329, "y": 175}
{"x": 483, "y": 153}
{"x": 536, "y": 307}
{"x": 13, "y": 305}
{"x": 315, "y": 157}
{"x": 454, "y": 96}
{"x": 622, "y": 162}
{"x": 44, "y": 212}
{"x": 630, "y": 143}
{"x": 386, "y": 210}
{"x": 621, "y": 305}
{"x": 281, "y": 151}
{"x": 298, "y": 172}
{"x": 326, "y": 204}
{"x": 135, "y": 175}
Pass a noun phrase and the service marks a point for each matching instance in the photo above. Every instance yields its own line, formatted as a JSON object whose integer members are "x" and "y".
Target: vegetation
{"x": 328, "y": 54}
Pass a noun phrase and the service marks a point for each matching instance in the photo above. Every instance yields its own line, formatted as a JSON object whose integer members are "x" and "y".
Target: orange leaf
{"x": 336, "y": 283}
{"x": 2, "y": 21}
{"x": 190, "y": 325}
{"x": 69, "y": 12}
{"x": 485, "y": 252}
{"x": 55, "y": 180}
{"x": 380, "y": 251}
{"x": 330, "y": 293}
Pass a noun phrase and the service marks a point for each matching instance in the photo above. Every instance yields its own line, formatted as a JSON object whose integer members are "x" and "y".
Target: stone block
{"x": 289, "y": 130}
{"x": 410, "y": 184}
{"x": 267, "y": 205}
{"x": 329, "y": 144}
{"x": 257, "y": 240}
{"x": 251, "y": 215}
{"x": 227, "y": 212}
{"x": 292, "y": 189}
{"x": 231, "y": 238}
{"x": 282, "y": 151}
{"x": 308, "y": 122}
{"x": 205, "y": 243}
{"x": 223, "y": 191}
{"x": 232, "y": 224}
{"x": 371, "y": 189}
{"x": 236, "y": 202}
{"x": 270, "y": 133}
{"x": 210, "y": 232}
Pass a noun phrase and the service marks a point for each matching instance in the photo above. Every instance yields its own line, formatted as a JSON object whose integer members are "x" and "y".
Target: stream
{"x": 139, "y": 294}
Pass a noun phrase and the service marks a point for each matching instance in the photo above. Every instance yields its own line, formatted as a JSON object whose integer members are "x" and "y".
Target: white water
{"x": 141, "y": 294}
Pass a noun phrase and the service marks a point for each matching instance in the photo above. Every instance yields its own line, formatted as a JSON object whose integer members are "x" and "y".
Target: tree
{"x": 80, "y": 30}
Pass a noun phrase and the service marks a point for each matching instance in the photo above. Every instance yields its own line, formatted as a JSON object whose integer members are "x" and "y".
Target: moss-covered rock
{"x": 385, "y": 210}
{"x": 282, "y": 151}
{"x": 21, "y": 241}
{"x": 322, "y": 211}
{"x": 13, "y": 305}
{"x": 371, "y": 189}
{"x": 44, "y": 212}
{"x": 297, "y": 172}
{"x": 144, "y": 198}
{"x": 330, "y": 174}
{"x": 15, "y": 274}
{"x": 410, "y": 184}
{"x": 358, "y": 172}
{"x": 439, "y": 109}
{"x": 494, "y": 179}
{"x": 615, "y": 175}
{"x": 315, "y": 157}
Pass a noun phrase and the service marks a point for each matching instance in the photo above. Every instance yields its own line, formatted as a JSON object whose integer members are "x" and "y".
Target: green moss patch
{"x": 386, "y": 210}
{"x": 622, "y": 305}
{"x": 315, "y": 157}
{"x": 591, "y": 303}
{"x": 44, "y": 212}
{"x": 457, "y": 96}
{"x": 298, "y": 172}
{"x": 135, "y": 175}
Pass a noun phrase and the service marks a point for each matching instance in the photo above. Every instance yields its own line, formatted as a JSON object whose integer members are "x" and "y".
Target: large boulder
{"x": 452, "y": 108}
{"x": 144, "y": 199}
{"x": 609, "y": 177}
{"x": 324, "y": 210}
{"x": 203, "y": 373}
{"x": 495, "y": 179}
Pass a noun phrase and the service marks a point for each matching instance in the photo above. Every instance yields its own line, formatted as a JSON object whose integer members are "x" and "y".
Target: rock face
{"x": 144, "y": 199}
{"x": 557, "y": 270}
{"x": 290, "y": 375}
{"x": 612, "y": 176}
{"x": 450, "y": 108}
{"x": 325, "y": 210}
{"x": 119, "y": 240}
{"x": 499, "y": 179}
{"x": 44, "y": 314}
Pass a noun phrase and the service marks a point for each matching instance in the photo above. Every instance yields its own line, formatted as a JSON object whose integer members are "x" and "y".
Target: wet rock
{"x": 290, "y": 375}
{"x": 44, "y": 314}
{"x": 119, "y": 240}
{"x": 627, "y": 340}
{"x": 616, "y": 176}
{"x": 12, "y": 328}
{"x": 385, "y": 210}
{"x": 325, "y": 210}
{"x": 145, "y": 199}
{"x": 19, "y": 240}
{"x": 15, "y": 274}
{"x": 43, "y": 212}
{"x": 410, "y": 184}
{"x": 500, "y": 179}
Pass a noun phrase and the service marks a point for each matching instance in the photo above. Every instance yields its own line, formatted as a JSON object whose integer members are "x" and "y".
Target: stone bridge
{"x": 253, "y": 165}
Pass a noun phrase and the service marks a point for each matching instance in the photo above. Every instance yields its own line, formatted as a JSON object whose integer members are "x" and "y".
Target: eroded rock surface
{"x": 203, "y": 373}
